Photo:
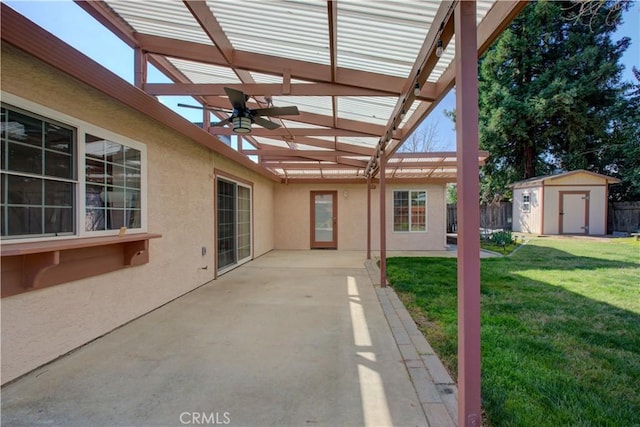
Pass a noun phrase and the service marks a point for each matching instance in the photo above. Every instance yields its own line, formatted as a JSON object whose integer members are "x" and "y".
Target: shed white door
{"x": 574, "y": 212}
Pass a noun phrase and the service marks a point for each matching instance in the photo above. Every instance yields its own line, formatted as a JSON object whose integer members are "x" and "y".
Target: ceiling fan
{"x": 242, "y": 117}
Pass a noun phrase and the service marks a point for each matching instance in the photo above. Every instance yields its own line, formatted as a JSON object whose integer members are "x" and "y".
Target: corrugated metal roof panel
{"x": 309, "y": 104}
{"x": 289, "y": 29}
{"x": 359, "y": 140}
{"x": 271, "y": 142}
{"x": 166, "y": 19}
{"x": 382, "y": 37}
{"x": 371, "y": 109}
{"x": 205, "y": 73}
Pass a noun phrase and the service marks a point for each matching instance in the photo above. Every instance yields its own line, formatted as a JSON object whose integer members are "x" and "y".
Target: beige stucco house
{"x": 568, "y": 203}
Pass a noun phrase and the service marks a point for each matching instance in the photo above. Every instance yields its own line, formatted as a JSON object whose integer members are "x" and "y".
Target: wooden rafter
{"x": 276, "y": 89}
{"x": 323, "y": 143}
{"x": 268, "y": 64}
{"x": 267, "y": 133}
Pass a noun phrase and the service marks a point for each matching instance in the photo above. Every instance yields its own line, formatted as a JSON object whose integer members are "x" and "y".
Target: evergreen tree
{"x": 622, "y": 158}
{"x": 550, "y": 92}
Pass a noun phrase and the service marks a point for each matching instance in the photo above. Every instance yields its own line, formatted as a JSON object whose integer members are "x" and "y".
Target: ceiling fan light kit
{"x": 241, "y": 124}
{"x": 243, "y": 117}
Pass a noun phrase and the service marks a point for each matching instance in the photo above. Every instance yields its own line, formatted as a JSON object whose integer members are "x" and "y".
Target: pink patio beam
{"x": 466, "y": 63}
{"x": 383, "y": 220}
{"x": 369, "y": 217}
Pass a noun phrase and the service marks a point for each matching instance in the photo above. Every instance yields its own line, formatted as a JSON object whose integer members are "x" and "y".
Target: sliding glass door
{"x": 234, "y": 224}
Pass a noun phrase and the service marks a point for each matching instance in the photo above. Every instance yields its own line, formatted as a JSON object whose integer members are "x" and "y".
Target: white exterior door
{"x": 574, "y": 212}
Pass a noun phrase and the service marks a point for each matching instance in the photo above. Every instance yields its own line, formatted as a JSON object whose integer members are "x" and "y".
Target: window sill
{"x": 36, "y": 265}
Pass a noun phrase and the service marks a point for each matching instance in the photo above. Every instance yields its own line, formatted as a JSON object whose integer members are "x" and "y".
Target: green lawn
{"x": 560, "y": 329}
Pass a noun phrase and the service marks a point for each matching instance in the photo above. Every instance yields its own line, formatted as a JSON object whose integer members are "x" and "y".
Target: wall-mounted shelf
{"x": 36, "y": 265}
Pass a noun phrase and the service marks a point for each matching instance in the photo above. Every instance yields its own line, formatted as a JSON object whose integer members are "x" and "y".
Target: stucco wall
{"x": 41, "y": 325}
{"x": 434, "y": 239}
{"x": 292, "y": 217}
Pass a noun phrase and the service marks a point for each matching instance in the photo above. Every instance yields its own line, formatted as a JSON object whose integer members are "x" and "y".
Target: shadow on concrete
{"x": 264, "y": 345}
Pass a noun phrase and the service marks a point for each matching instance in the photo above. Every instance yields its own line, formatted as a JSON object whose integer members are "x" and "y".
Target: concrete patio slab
{"x": 290, "y": 339}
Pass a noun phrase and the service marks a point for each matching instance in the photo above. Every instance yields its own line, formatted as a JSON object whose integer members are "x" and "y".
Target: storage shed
{"x": 568, "y": 203}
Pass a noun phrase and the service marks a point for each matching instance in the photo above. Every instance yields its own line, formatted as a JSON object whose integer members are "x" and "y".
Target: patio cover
{"x": 351, "y": 68}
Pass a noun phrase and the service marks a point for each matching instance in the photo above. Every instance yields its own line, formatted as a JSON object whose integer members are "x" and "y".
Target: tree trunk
{"x": 529, "y": 162}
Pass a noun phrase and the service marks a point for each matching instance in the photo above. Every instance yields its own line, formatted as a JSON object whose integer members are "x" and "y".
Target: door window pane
{"x": 244, "y": 222}
{"x": 226, "y": 224}
{"x": 234, "y": 223}
{"x": 323, "y": 227}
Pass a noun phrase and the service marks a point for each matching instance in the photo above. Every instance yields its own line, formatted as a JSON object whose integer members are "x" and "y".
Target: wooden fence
{"x": 624, "y": 217}
{"x": 496, "y": 216}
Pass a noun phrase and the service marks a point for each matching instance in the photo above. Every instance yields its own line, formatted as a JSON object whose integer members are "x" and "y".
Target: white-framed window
{"x": 62, "y": 177}
{"x": 409, "y": 210}
{"x": 526, "y": 202}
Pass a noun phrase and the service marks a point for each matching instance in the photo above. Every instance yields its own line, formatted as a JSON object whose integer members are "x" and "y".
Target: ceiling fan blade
{"x": 222, "y": 122}
{"x": 276, "y": 111}
{"x": 200, "y": 107}
{"x": 265, "y": 123}
{"x": 236, "y": 98}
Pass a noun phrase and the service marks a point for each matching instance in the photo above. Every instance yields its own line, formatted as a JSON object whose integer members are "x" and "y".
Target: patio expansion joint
{"x": 436, "y": 390}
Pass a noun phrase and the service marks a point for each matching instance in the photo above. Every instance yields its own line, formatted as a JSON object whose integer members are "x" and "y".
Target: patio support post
{"x": 206, "y": 121}
{"x": 383, "y": 222}
{"x": 139, "y": 68}
{"x": 369, "y": 217}
{"x": 466, "y": 65}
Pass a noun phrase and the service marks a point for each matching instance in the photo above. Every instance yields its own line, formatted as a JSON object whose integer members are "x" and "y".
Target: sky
{"x": 69, "y": 22}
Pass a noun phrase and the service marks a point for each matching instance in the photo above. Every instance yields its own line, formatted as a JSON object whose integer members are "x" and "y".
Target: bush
{"x": 502, "y": 238}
